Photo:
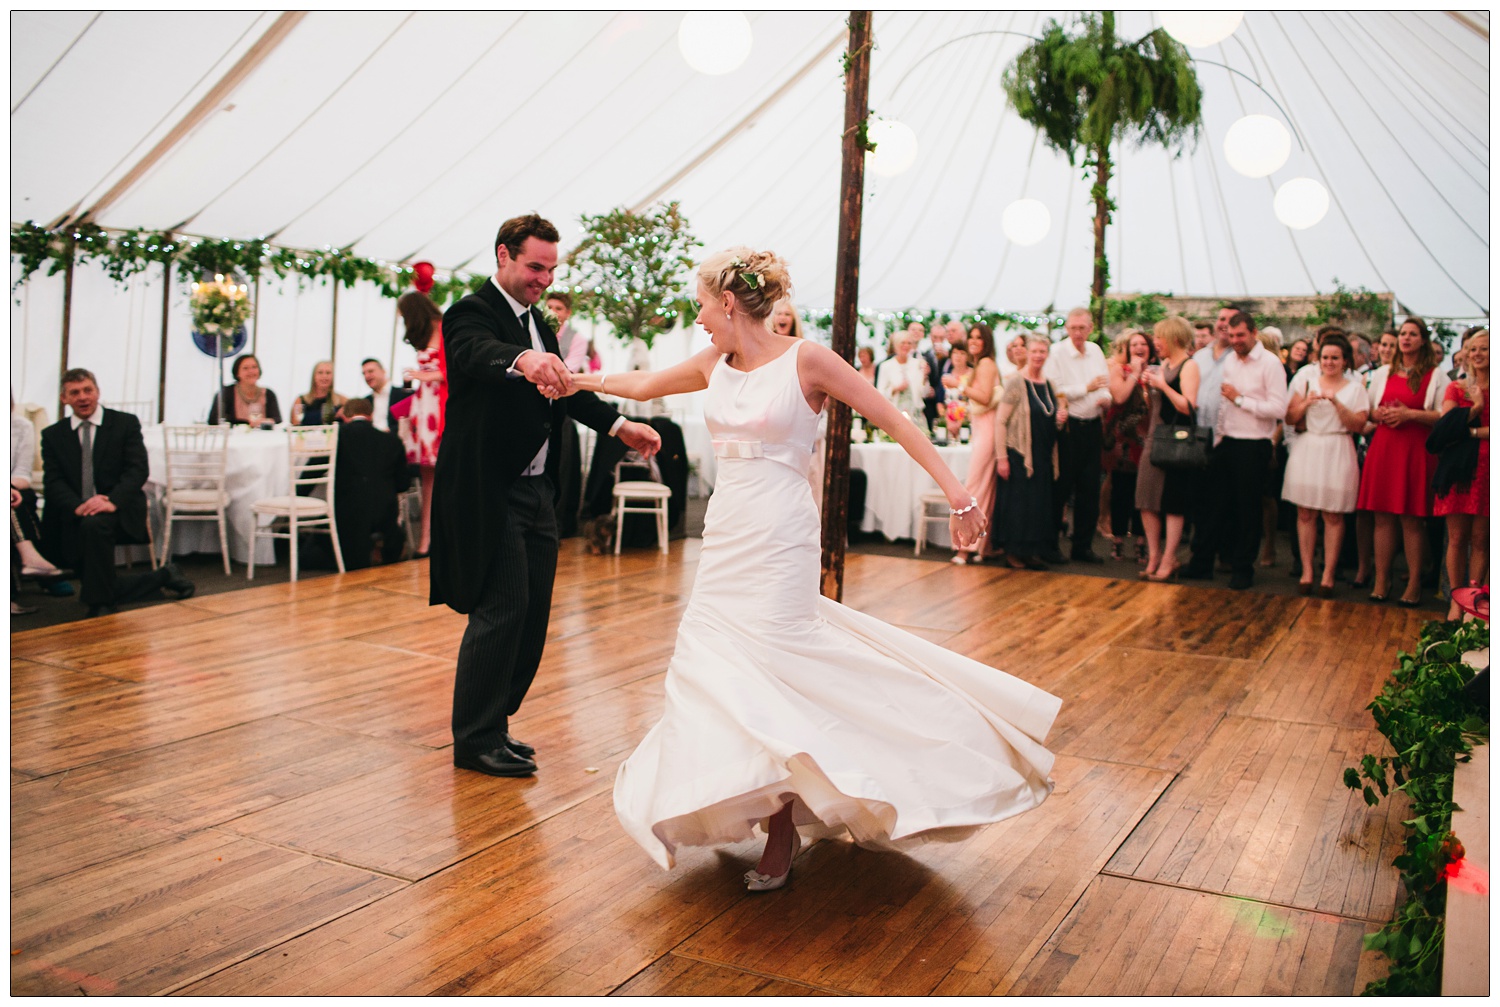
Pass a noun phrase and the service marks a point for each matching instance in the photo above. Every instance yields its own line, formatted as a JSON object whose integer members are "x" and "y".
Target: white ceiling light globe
{"x": 1257, "y": 145}
{"x": 714, "y": 42}
{"x": 895, "y": 147}
{"x": 1301, "y": 203}
{"x": 1199, "y": 28}
{"x": 1026, "y": 221}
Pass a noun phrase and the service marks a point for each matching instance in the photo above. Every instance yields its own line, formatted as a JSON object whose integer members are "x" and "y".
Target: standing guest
{"x": 369, "y": 475}
{"x": 866, "y": 357}
{"x": 1164, "y": 496}
{"x": 94, "y": 465}
{"x": 932, "y": 372}
{"x": 958, "y": 336}
{"x": 1126, "y": 427}
{"x": 424, "y": 332}
{"x": 1076, "y": 368}
{"x": 1466, "y": 506}
{"x": 1270, "y": 503}
{"x": 902, "y": 379}
{"x": 1030, "y": 414}
{"x": 1364, "y": 354}
{"x": 1382, "y": 353}
{"x": 956, "y": 374}
{"x": 245, "y": 401}
{"x": 596, "y": 363}
{"x": 572, "y": 344}
{"x": 980, "y": 393}
{"x": 320, "y": 403}
{"x": 1210, "y": 360}
{"x": 1013, "y": 359}
{"x": 785, "y": 321}
{"x": 1297, "y": 355}
{"x": 1397, "y": 481}
{"x": 383, "y": 395}
{"x": 1203, "y": 334}
{"x": 1253, "y": 394}
{"x": 494, "y": 545}
{"x": 1322, "y": 470}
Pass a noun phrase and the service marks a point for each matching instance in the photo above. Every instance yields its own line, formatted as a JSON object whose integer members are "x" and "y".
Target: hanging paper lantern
{"x": 1257, "y": 145}
{"x": 714, "y": 42}
{"x": 1026, "y": 221}
{"x": 1301, "y": 203}
{"x": 1199, "y": 28}
{"x": 421, "y": 276}
{"x": 895, "y": 147}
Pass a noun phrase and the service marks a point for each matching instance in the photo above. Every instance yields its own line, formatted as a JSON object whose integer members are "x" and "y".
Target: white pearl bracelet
{"x": 961, "y": 512}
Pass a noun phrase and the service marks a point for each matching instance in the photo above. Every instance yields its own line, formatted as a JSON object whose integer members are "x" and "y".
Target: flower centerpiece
{"x": 220, "y": 310}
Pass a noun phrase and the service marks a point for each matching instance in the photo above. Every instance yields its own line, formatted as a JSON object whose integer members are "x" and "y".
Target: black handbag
{"x": 1181, "y": 446}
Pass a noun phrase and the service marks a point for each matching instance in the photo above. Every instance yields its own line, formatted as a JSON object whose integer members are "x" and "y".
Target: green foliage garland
{"x": 631, "y": 270}
{"x": 1431, "y": 725}
{"x": 1344, "y": 304}
{"x": 128, "y": 253}
{"x": 1136, "y": 312}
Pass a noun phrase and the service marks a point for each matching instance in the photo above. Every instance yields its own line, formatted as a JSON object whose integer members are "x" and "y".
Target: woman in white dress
{"x": 784, "y": 709}
{"x": 903, "y": 379}
{"x": 1322, "y": 470}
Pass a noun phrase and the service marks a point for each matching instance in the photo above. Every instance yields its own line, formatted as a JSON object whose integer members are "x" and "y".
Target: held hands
{"x": 96, "y": 504}
{"x": 967, "y": 529}
{"x": 547, "y": 372}
{"x": 640, "y": 437}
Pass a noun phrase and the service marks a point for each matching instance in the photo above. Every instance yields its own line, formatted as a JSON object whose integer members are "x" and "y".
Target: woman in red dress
{"x": 1397, "y": 480}
{"x": 424, "y": 331}
{"x": 1467, "y": 506}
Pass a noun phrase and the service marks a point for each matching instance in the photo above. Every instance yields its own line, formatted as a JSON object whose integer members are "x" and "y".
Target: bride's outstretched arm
{"x": 832, "y": 375}
{"x": 689, "y": 376}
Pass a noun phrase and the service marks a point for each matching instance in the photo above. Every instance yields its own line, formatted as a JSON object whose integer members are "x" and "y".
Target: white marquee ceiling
{"x": 412, "y": 135}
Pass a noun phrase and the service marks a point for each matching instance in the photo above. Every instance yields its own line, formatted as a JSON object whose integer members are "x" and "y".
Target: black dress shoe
{"x": 1241, "y": 581}
{"x": 177, "y": 583}
{"x": 522, "y": 749}
{"x": 1191, "y": 572}
{"x": 1055, "y": 557}
{"x": 1086, "y": 556}
{"x": 98, "y": 610}
{"x": 500, "y": 762}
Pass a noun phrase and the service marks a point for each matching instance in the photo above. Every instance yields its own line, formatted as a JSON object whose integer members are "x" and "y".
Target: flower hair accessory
{"x": 752, "y": 279}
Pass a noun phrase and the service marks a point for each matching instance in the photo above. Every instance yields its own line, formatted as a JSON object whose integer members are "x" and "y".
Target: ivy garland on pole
{"x": 123, "y": 255}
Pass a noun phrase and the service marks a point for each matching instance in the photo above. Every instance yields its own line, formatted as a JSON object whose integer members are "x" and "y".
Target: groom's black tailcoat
{"x": 494, "y": 548}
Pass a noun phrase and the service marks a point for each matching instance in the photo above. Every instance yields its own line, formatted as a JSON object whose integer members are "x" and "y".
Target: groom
{"x": 494, "y": 533}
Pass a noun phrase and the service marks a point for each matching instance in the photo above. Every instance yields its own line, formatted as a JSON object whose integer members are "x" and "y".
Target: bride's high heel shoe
{"x": 755, "y": 881}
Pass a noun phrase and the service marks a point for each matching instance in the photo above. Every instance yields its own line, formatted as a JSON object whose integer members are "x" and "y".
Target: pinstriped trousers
{"x": 502, "y": 645}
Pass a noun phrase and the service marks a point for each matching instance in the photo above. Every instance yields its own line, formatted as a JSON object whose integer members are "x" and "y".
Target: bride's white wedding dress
{"x": 774, "y": 690}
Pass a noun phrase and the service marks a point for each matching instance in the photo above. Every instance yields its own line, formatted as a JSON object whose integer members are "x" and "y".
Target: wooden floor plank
{"x": 1212, "y": 622}
{"x": 35, "y": 684}
{"x": 1263, "y": 813}
{"x": 1254, "y": 949}
{"x": 1040, "y": 643}
{"x": 171, "y": 913}
{"x": 67, "y": 735}
{"x": 675, "y": 976}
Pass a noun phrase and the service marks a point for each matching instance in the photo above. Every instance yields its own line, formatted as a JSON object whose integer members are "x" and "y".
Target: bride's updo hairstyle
{"x": 756, "y": 279}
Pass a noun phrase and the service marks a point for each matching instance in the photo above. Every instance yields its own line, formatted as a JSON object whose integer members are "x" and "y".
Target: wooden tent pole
{"x": 161, "y": 373}
{"x": 67, "y": 319}
{"x": 846, "y": 298}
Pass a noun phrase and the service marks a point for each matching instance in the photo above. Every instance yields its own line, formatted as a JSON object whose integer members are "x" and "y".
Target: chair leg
{"x": 292, "y": 524}
{"x": 150, "y": 540}
{"x": 166, "y": 540}
{"x": 661, "y": 526}
{"x": 254, "y": 536}
{"x": 619, "y": 524}
{"x": 333, "y": 533}
{"x": 921, "y": 530}
{"x": 224, "y": 540}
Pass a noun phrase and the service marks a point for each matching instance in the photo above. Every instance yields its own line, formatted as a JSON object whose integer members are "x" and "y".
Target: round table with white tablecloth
{"x": 896, "y": 485}
{"x": 256, "y": 468}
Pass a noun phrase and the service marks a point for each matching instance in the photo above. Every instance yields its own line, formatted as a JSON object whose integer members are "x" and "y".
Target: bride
{"x": 784, "y": 709}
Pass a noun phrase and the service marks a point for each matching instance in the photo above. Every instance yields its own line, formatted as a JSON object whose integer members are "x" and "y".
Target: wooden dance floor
{"x": 252, "y": 793}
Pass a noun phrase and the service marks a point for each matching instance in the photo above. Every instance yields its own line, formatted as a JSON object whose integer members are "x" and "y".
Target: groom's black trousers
{"x": 508, "y": 627}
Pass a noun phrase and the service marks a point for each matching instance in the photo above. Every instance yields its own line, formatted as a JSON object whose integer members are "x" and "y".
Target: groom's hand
{"x": 640, "y": 436}
{"x": 546, "y": 371}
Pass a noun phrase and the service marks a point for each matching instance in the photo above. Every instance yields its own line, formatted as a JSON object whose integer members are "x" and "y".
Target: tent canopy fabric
{"x": 410, "y": 135}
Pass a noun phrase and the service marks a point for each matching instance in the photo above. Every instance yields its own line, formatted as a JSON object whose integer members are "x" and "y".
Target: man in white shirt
{"x": 1077, "y": 369}
{"x": 1254, "y": 396}
{"x": 1210, "y": 360}
{"x": 382, "y": 395}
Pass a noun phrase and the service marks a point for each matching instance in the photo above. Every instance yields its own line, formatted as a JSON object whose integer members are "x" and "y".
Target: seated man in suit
{"x": 382, "y": 395}
{"x": 369, "y": 473}
{"x": 94, "y": 465}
